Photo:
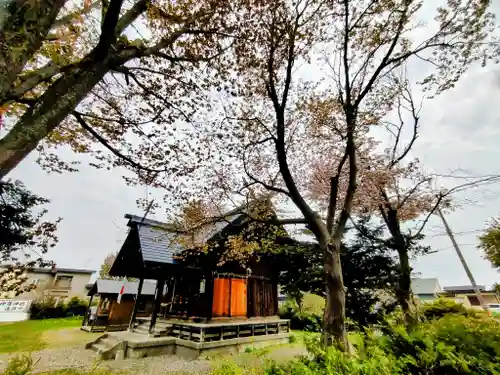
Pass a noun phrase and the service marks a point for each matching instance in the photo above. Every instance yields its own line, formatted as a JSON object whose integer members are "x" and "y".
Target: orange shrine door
{"x": 230, "y": 297}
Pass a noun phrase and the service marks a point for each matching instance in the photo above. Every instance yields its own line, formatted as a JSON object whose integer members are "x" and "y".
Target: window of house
{"x": 105, "y": 305}
{"x": 474, "y": 301}
{"x": 63, "y": 281}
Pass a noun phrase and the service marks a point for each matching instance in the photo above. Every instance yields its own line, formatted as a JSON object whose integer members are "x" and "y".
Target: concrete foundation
{"x": 194, "y": 350}
{"x": 192, "y": 341}
{"x": 150, "y": 347}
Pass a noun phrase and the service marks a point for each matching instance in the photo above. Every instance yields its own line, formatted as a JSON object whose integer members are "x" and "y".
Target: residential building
{"x": 426, "y": 290}
{"x": 466, "y": 295}
{"x": 58, "y": 283}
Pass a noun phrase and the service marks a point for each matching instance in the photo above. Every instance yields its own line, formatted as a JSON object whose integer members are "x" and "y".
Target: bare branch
{"x": 387, "y": 58}
{"x": 106, "y": 144}
{"x": 130, "y": 16}
{"x": 108, "y": 28}
{"x": 33, "y": 78}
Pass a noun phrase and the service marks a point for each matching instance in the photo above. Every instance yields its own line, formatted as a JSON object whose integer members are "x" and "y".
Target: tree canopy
{"x": 77, "y": 73}
{"x": 281, "y": 128}
{"x": 370, "y": 273}
{"x": 25, "y": 235}
{"x": 489, "y": 243}
{"x": 106, "y": 266}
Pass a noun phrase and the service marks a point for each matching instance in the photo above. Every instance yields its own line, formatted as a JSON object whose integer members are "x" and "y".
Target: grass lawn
{"x": 31, "y": 335}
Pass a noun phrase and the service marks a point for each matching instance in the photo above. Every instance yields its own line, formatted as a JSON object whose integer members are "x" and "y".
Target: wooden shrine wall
{"x": 262, "y": 297}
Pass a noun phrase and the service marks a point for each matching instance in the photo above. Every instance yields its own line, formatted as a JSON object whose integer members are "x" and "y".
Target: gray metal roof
{"x": 55, "y": 270}
{"x": 425, "y": 286}
{"x": 214, "y": 228}
{"x": 157, "y": 245}
{"x": 103, "y": 286}
{"x": 144, "y": 221}
{"x": 459, "y": 288}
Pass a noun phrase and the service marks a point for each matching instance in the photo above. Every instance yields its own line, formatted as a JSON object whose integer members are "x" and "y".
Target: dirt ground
{"x": 67, "y": 337}
{"x": 65, "y": 349}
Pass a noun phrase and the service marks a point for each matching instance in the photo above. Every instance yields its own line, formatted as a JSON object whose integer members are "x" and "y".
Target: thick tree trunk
{"x": 403, "y": 290}
{"x": 24, "y": 26}
{"x": 334, "y": 330}
{"x": 48, "y": 112}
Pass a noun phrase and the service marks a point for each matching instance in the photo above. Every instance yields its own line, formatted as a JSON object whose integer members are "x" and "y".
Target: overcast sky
{"x": 460, "y": 130}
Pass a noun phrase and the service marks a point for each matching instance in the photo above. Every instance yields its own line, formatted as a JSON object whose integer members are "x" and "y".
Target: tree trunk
{"x": 403, "y": 290}
{"x": 24, "y": 26}
{"x": 334, "y": 331}
{"x": 58, "y": 101}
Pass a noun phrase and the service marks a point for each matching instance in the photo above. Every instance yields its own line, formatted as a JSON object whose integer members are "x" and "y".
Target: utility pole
{"x": 462, "y": 259}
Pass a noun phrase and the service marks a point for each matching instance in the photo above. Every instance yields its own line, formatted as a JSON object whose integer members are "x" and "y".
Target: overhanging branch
{"x": 106, "y": 144}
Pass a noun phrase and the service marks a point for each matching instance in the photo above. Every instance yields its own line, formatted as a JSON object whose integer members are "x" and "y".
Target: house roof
{"x": 103, "y": 286}
{"x": 55, "y": 270}
{"x": 425, "y": 286}
{"x": 157, "y": 245}
{"x": 463, "y": 288}
{"x": 158, "y": 240}
{"x": 143, "y": 220}
{"x": 151, "y": 246}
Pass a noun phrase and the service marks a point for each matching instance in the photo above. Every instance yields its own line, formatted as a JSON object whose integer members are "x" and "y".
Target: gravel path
{"x": 53, "y": 359}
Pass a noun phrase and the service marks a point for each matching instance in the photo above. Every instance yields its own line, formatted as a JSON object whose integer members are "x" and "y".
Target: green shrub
{"x": 309, "y": 318}
{"x": 442, "y": 307}
{"x": 451, "y": 345}
{"x": 47, "y": 308}
{"x": 302, "y": 321}
{"x": 454, "y": 344}
{"x": 19, "y": 365}
{"x": 334, "y": 362}
{"x": 76, "y": 307}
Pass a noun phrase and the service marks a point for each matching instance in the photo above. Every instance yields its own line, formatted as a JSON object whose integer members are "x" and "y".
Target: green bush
{"x": 451, "y": 345}
{"x": 19, "y": 365}
{"x": 444, "y": 306}
{"x": 309, "y": 318}
{"x": 47, "y": 308}
{"x": 76, "y": 307}
{"x": 302, "y": 321}
{"x": 369, "y": 361}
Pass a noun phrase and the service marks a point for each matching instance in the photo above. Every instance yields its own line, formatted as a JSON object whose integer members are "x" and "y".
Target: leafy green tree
{"x": 370, "y": 274}
{"x": 24, "y": 235}
{"x": 489, "y": 242}
{"x": 496, "y": 288}
{"x": 106, "y": 266}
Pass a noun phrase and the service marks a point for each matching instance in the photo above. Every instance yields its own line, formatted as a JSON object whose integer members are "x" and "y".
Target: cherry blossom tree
{"x": 279, "y": 127}
{"x": 109, "y": 78}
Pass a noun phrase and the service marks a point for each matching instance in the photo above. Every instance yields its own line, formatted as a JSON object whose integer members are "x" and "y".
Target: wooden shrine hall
{"x": 194, "y": 288}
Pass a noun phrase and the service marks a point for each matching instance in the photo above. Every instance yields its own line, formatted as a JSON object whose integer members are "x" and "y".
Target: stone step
{"x": 100, "y": 348}
{"x": 106, "y": 349}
